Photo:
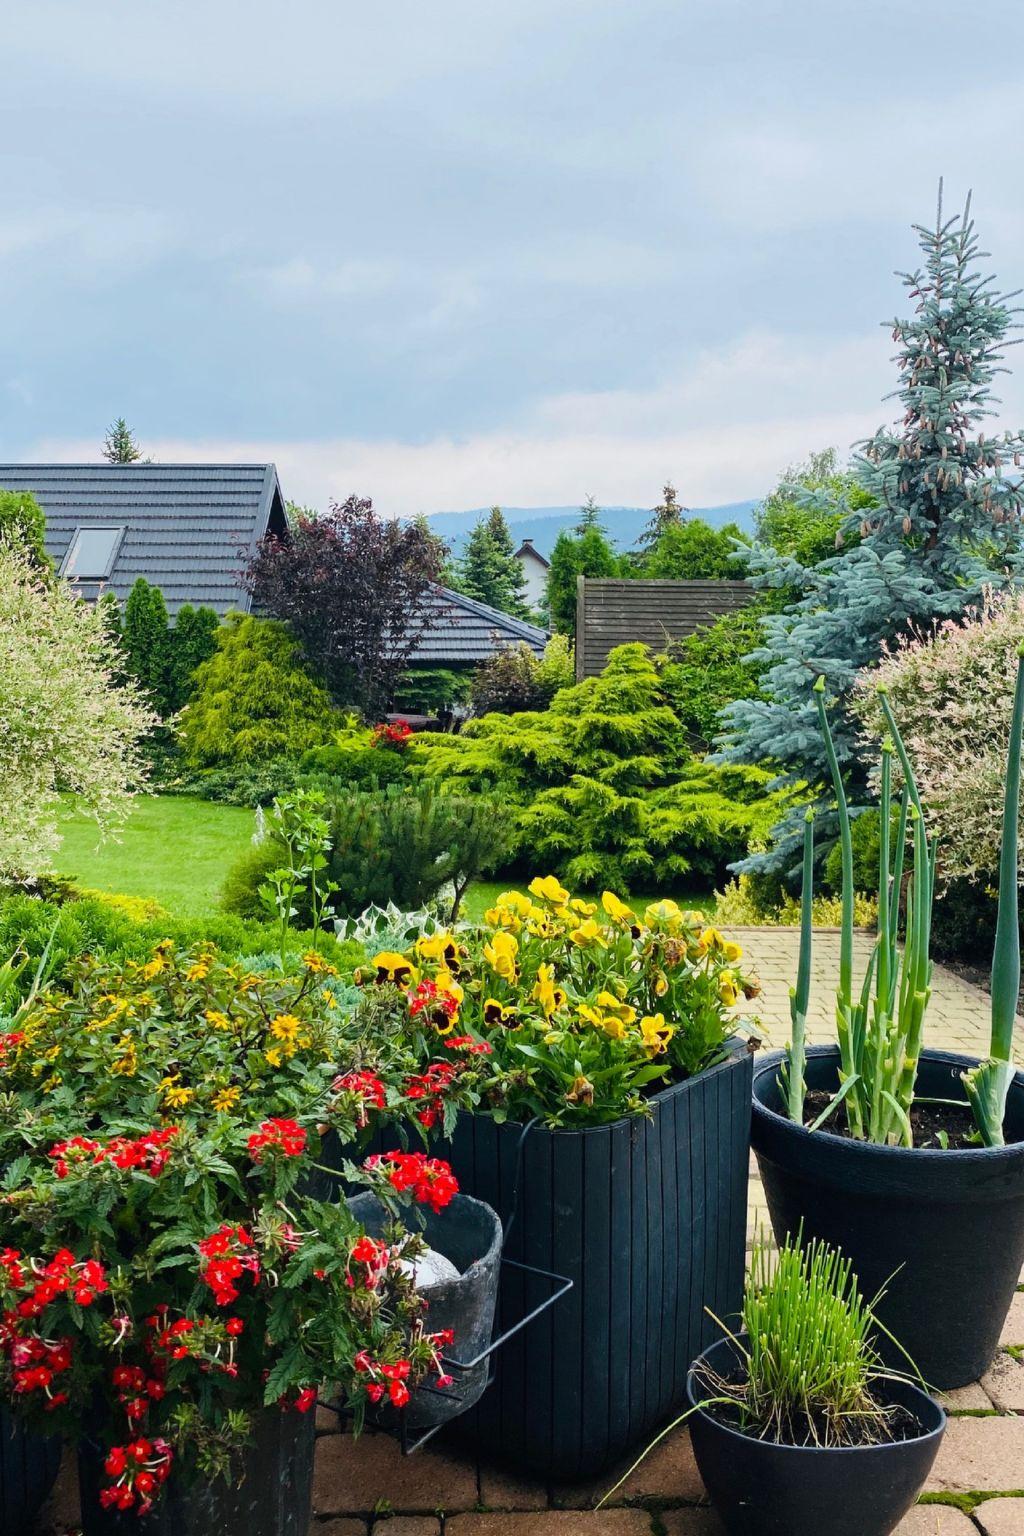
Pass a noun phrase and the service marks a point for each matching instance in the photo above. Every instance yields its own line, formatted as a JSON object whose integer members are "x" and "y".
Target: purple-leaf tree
{"x": 353, "y": 587}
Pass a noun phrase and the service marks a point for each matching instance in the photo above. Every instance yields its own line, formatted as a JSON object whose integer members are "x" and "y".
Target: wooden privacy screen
{"x": 611, "y": 612}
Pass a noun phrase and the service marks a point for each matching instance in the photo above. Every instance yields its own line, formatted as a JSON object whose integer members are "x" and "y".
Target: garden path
{"x": 977, "y": 1485}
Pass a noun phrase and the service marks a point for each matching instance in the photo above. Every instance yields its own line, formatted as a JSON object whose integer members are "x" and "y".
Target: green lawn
{"x": 171, "y": 849}
{"x": 176, "y": 851}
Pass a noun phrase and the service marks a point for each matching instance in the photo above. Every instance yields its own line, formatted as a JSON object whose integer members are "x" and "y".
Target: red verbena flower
{"x": 285, "y": 1136}
{"x": 428, "y": 1179}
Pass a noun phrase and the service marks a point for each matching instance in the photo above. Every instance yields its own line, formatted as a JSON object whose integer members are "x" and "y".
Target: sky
{"x": 470, "y": 252}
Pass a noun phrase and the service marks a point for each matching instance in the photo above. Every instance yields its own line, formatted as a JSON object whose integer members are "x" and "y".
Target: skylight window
{"x": 91, "y": 553}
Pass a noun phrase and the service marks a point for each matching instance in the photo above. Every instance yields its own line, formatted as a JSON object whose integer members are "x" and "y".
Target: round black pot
{"x": 942, "y": 1232}
{"x": 760, "y": 1488}
{"x": 28, "y": 1470}
{"x": 273, "y": 1496}
{"x": 468, "y": 1233}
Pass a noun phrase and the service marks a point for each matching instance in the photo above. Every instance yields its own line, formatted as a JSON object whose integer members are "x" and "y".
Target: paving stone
{"x": 1013, "y": 1328}
{"x": 964, "y": 1399}
{"x": 691, "y": 1522}
{"x": 980, "y": 1454}
{"x": 669, "y": 1472}
{"x": 344, "y": 1527}
{"x": 1001, "y": 1517}
{"x": 407, "y": 1525}
{"x": 500, "y": 1489}
{"x": 560, "y": 1522}
{"x": 1004, "y": 1383}
{"x": 327, "y": 1421}
{"x": 356, "y": 1476}
{"x": 935, "y": 1520}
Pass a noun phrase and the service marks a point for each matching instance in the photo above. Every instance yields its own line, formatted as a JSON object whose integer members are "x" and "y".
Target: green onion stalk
{"x": 794, "y": 1082}
{"x": 988, "y": 1083}
{"x": 880, "y": 1028}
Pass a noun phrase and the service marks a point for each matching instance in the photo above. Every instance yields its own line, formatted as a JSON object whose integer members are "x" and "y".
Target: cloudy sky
{"x": 472, "y": 251}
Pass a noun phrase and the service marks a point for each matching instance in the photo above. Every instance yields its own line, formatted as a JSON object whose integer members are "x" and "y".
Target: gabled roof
{"x": 187, "y": 528}
{"x": 463, "y": 630}
{"x": 526, "y": 551}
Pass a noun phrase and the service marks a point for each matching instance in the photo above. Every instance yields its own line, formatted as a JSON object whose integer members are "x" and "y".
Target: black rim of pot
{"x": 930, "y": 1408}
{"x": 769, "y": 1066}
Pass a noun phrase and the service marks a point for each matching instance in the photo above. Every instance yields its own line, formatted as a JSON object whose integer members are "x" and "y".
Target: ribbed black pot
{"x": 28, "y": 1470}
{"x": 761, "y": 1488}
{"x": 942, "y": 1232}
{"x": 647, "y": 1217}
{"x": 272, "y": 1497}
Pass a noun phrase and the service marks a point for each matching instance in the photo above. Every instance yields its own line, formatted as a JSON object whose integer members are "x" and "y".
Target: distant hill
{"x": 543, "y": 524}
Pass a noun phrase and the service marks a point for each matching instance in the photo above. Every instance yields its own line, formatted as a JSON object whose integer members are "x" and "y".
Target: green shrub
{"x": 865, "y": 834}
{"x": 602, "y": 787}
{"x": 707, "y": 670}
{"x": 431, "y": 690}
{"x": 356, "y": 755}
{"x": 23, "y": 525}
{"x": 254, "y": 699}
{"x": 248, "y": 784}
{"x": 514, "y": 678}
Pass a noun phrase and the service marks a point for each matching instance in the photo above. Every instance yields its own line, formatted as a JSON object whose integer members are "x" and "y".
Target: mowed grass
{"x": 177, "y": 850}
{"x": 171, "y": 849}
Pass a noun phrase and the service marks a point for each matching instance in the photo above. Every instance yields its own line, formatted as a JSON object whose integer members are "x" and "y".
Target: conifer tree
{"x": 489, "y": 570}
{"x": 668, "y": 515}
{"x": 192, "y": 641}
{"x": 590, "y": 517}
{"x": 146, "y": 642}
{"x": 585, "y": 554}
{"x": 119, "y": 445}
{"x": 943, "y": 524}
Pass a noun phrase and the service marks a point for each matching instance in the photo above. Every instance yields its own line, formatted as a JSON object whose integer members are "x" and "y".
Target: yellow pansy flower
{"x": 391, "y": 966}
{"x": 655, "y": 1033}
{"x": 547, "y": 888}
{"x": 550, "y": 997}
{"x": 585, "y": 908}
{"x": 611, "y": 1004}
{"x": 731, "y": 952}
{"x": 617, "y": 910}
{"x": 440, "y": 947}
{"x": 665, "y": 913}
{"x": 500, "y": 1013}
{"x": 500, "y": 954}
{"x": 709, "y": 938}
{"x": 728, "y": 989}
{"x": 588, "y": 934}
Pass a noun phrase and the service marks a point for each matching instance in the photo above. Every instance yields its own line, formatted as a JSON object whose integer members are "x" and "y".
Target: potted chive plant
{"x": 911, "y": 1160}
{"x": 610, "y": 1129}
{"x": 797, "y": 1426}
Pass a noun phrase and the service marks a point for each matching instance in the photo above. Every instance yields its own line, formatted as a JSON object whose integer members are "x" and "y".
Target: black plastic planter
{"x": 943, "y": 1232}
{"x": 468, "y": 1233}
{"x": 647, "y": 1217}
{"x": 28, "y": 1469}
{"x": 273, "y": 1498}
{"x": 761, "y": 1488}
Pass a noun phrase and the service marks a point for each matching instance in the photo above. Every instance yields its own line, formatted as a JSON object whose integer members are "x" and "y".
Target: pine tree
{"x": 146, "y": 643}
{"x": 489, "y": 570}
{"x": 192, "y": 641}
{"x": 590, "y": 517}
{"x": 668, "y": 515}
{"x": 942, "y": 525}
{"x": 585, "y": 554}
{"x": 119, "y": 445}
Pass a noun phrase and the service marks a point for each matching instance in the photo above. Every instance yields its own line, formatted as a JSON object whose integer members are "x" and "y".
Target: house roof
{"x": 463, "y": 630}
{"x": 187, "y": 528}
{"x": 526, "y": 549}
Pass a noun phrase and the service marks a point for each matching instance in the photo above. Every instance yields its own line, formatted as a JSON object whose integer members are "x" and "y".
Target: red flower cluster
{"x": 137, "y": 1471}
{"x": 432, "y": 1086}
{"x": 383, "y": 1379}
{"x": 469, "y": 1045}
{"x": 374, "y": 1257}
{"x": 146, "y": 1154}
{"x": 441, "y": 1007}
{"x": 395, "y": 735}
{"x": 286, "y": 1136}
{"x": 367, "y": 1087}
{"x": 136, "y": 1390}
{"x": 229, "y": 1253}
{"x": 168, "y": 1338}
{"x": 35, "y": 1360}
{"x": 10, "y": 1042}
{"x": 429, "y": 1179}
{"x": 85, "y": 1281}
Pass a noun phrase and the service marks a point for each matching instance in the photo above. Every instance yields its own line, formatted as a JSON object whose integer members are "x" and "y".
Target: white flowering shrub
{"x": 66, "y": 724}
{"x": 952, "y": 695}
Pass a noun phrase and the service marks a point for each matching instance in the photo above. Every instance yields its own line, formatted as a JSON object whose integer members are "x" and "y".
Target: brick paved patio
{"x": 368, "y": 1489}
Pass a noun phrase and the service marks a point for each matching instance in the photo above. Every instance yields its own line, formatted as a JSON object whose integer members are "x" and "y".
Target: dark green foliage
{"x": 119, "y": 445}
{"x": 602, "y": 787}
{"x": 431, "y": 690}
{"x": 964, "y": 922}
{"x": 941, "y": 525}
{"x": 355, "y": 757}
{"x": 23, "y": 525}
{"x": 146, "y": 643}
{"x": 668, "y": 515}
{"x": 398, "y": 844}
{"x": 582, "y": 554}
{"x": 694, "y": 551}
{"x": 250, "y": 783}
{"x": 515, "y": 678}
{"x": 799, "y": 518}
{"x": 254, "y": 699}
{"x": 865, "y": 836}
{"x": 709, "y": 670}
{"x": 193, "y": 640}
{"x": 489, "y": 570}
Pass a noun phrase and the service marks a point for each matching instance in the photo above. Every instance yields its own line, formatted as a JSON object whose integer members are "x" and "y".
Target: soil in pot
{"x": 762, "y": 1488}
{"x": 939, "y": 1127}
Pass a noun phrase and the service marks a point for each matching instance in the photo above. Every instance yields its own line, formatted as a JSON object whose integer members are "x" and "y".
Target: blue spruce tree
{"x": 943, "y": 522}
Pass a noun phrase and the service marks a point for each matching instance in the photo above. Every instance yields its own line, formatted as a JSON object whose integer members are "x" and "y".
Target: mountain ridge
{"x": 623, "y": 525}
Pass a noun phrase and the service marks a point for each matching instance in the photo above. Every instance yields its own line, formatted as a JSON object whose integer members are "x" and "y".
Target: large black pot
{"x": 273, "y": 1497}
{"x": 943, "y": 1232}
{"x": 760, "y": 1488}
{"x": 28, "y": 1470}
{"x": 647, "y": 1217}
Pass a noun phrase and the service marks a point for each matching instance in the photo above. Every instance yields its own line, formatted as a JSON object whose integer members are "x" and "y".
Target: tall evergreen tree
{"x": 586, "y": 554}
{"x": 119, "y": 445}
{"x": 192, "y": 641}
{"x": 590, "y": 516}
{"x": 489, "y": 570}
{"x": 942, "y": 524}
{"x": 23, "y": 525}
{"x": 668, "y": 515}
{"x": 146, "y": 642}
